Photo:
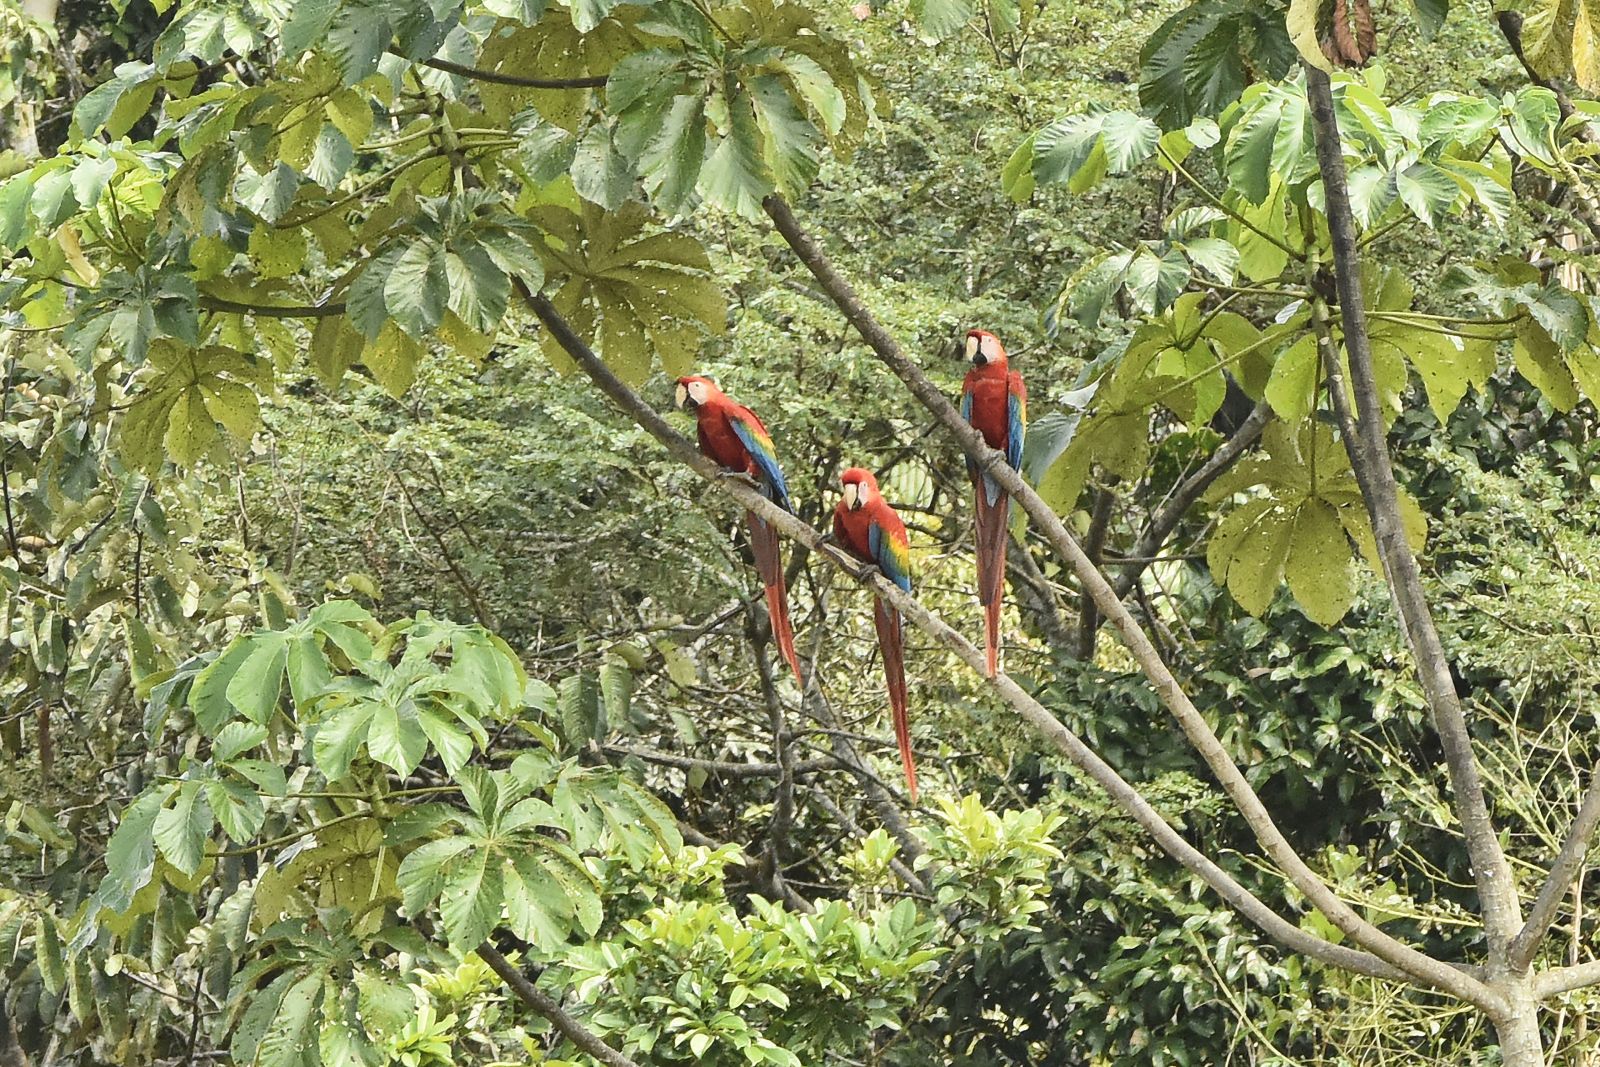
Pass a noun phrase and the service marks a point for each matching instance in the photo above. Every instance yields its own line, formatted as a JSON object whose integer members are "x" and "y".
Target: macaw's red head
{"x": 984, "y": 349}
{"x": 695, "y": 390}
{"x": 859, "y": 487}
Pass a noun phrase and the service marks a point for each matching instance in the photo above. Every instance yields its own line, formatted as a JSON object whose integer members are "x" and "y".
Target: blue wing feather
{"x": 1016, "y": 429}
{"x": 755, "y": 439}
{"x": 891, "y": 557}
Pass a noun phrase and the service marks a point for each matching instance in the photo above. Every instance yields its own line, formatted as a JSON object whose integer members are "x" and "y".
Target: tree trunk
{"x": 1521, "y": 1044}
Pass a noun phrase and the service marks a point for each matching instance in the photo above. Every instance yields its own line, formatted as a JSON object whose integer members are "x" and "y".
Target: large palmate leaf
{"x": 735, "y": 111}
{"x": 1201, "y": 58}
{"x": 1297, "y": 511}
{"x": 185, "y": 396}
{"x": 630, "y": 292}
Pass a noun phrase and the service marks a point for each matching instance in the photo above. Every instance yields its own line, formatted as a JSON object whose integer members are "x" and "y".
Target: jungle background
{"x": 267, "y": 629}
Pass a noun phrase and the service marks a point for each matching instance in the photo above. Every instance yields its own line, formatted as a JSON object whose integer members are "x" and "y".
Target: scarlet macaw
{"x": 994, "y": 400}
{"x": 732, "y": 436}
{"x": 865, "y": 524}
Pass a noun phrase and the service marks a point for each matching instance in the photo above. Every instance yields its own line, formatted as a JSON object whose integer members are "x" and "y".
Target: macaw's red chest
{"x": 719, "y": 441}
{"x": 853, "y": 527}
{"x": 990, "y": 403}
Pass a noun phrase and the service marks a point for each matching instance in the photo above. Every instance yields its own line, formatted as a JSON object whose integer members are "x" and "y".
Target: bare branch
{"x": 533, "y": 997}
{"x": 720, "y": 768}
{"x": 1419, "y": 966}
{"x": 594, "y": 81}
{"x": 1565, "y": 867}
{"x": 1565, "y": 979}
{"x": 1165, "y": 520}
{"x": 1369, "y": 457}
{"x": 1420, "y": 970}
{"x": 276, "y": 311}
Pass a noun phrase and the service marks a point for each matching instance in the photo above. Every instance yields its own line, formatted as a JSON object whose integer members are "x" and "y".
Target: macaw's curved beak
{"x": 681, "y": 397}
{"x": 852, "y": 496}
{"x": 974, "y": 350}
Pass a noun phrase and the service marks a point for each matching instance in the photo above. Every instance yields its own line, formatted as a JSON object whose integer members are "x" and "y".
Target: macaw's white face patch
{"x": 693, "y": 392}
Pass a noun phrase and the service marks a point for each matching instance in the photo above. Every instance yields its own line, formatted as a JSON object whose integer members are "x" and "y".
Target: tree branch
{"x": 1403, "y": 958}
{"x": 533, "y": 997}
{"x": 1419, "y": 970}
{"x": 587, "y": 82}
{"x": 1369, "y": 458}
{"x": 1094, "y": 546}
{"x": 1165, "y": 520}
{"x": 277, "y": 311}
{"x": 1565, "y": 979}
{"x": 1574, "y": 850}
{"x": 720, "y": 768}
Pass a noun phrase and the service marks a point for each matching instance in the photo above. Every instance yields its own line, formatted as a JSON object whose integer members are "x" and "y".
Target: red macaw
{"x": 994, "y": 400}
{"x": 865, "y": 524}
{"x": 735, "y": 439}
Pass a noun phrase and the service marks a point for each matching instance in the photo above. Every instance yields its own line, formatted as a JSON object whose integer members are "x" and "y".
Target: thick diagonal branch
{"x": 1420, "y": 970}
{"x": 1419, "y": 966}
{"x": 1369, "y": 457}
{"x": 533, "y": 997}
{"x": 1562, "y": 871}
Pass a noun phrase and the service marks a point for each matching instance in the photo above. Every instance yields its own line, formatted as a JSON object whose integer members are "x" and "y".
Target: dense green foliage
{"x": 275, "y": 413}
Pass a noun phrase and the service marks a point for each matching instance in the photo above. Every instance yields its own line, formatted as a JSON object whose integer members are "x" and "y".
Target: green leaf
{"x": 422, "y": 873}
{"x": 789, "y": 141}
{"x": 671, "y": 162}
{"x": 734, "y": 177}
{"x": 471, "y": 899}
{"x": 1292, "y": 387}
{"x": 1248, "y": 551}
{"x": 182, "y": 829}
{"x": 600, "y": 173}
{"x": 339, "y": 737}
{"x": 1538, "y": 359}
{"x": 396, "y": 737}
{"x": 941, "y": 18}
{"x": 291, "y": 1039}
{"x": 131, "y": 851}
{"x": 255, "y": 686}
{"x": 1319, "y": 566}
{"x": 417, "y": 288}
{"x": 1428, "y": 191}
{"x": 238, "y": 810}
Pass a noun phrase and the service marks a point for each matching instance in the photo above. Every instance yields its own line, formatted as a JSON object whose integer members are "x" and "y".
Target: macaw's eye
{"x": 682, "y": 395}
{"x": 972, "y": 346}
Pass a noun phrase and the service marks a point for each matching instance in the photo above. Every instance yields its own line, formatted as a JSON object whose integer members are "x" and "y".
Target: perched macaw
{"x": 865, "y": 524}
{"x": 736, "y": 440}
{"x": 994, "y": 400}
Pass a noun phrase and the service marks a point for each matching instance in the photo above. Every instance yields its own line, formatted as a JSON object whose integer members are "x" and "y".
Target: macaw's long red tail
{"x": 769, "y": 565}
{"x": 993, "y": 515}
{"x": 887, "y": 620}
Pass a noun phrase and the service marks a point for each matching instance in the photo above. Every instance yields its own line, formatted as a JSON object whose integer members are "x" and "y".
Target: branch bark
{"x": 1402, "y": 958}
{"x": 1569, "y": 860}
{"x": 1369, "y": 457}
{"x": 1166, "y": 519}
{"x": 1419, "y": 970}
{"x": 533, "y": 997}
{"x": 495, "y": 77}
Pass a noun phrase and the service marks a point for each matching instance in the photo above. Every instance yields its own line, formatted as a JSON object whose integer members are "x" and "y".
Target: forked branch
{"x": 1419, "y": 966}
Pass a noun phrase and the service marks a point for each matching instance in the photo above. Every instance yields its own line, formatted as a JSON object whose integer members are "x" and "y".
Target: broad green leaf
{"x": 416, "y": 289}
{"x": 183, "y": 827}
{"x": 1319, "y": 565}
{"x": 1292, "y": 388}
{"x": 255, "y": 685}
{"x": 395, "y": 737}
